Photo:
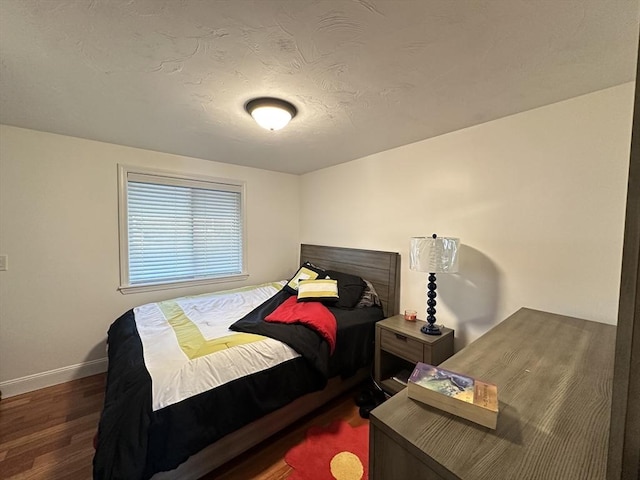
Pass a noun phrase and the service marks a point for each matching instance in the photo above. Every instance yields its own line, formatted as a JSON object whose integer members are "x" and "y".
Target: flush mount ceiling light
{"x": 271, "y": 113}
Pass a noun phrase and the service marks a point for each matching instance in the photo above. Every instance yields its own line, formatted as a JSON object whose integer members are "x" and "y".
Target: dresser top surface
{"x": 554, "y": 376}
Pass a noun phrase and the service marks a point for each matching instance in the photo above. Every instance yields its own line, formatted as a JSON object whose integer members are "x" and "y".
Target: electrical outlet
{"x": 3, "y": 263}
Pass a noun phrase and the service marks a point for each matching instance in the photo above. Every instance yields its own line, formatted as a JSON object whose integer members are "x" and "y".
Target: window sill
{"x": 150, "y": 287}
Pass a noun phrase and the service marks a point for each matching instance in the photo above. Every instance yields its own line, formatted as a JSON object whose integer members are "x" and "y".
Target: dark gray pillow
{"x": 350, "y": 288}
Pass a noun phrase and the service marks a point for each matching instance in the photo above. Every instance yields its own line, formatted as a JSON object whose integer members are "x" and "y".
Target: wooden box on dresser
{"x": 554, "y": 377}
{"x": 400, "y": 345}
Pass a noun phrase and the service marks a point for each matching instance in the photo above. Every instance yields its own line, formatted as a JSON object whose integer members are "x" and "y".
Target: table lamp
{"x": 433, "y": 255}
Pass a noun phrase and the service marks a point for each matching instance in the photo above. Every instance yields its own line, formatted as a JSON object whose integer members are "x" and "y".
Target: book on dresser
{"x": 455, "y": 393}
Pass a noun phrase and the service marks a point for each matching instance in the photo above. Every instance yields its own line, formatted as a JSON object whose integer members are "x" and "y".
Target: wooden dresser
{"x": 554, "y": 377}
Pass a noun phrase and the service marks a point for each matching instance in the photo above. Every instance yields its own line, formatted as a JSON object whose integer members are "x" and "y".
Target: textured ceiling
{"x": 366, "y": 75}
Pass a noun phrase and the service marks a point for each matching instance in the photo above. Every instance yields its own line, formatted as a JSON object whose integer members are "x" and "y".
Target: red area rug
{"x": 336, "y": 452}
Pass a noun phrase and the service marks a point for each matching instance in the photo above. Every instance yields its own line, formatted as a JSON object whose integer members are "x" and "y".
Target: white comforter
{"x": 189, "y": 349}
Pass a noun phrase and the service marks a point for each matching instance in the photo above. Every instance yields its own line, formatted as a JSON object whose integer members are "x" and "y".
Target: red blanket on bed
{"x": 312, "y": 314}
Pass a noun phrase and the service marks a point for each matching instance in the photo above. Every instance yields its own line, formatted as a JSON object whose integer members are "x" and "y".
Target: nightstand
{"x": 400, "y": 345}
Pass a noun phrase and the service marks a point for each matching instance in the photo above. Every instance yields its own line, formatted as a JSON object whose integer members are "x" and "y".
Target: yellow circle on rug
{"x": 346, "y": 466}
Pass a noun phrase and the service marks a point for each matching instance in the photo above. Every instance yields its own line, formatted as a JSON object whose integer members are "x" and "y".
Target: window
{"x": 177, "y": 230}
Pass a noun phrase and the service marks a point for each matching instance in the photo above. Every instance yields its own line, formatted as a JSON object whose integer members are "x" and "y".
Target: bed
{"x": 149, "y": 431}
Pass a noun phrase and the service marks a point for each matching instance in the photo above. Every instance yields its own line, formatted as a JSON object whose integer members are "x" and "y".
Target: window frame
{"x": 125, "y": 286}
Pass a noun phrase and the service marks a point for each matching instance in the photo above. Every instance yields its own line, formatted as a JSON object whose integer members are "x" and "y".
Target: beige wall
{"x": 59, "y": 228}
{"x": 537, "y": 199}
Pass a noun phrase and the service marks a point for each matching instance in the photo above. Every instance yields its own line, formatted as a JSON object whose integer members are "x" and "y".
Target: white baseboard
{"x": 11, "y": 388}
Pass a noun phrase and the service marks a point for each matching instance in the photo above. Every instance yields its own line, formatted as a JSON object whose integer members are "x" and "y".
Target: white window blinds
{"x": 181, "y": 229}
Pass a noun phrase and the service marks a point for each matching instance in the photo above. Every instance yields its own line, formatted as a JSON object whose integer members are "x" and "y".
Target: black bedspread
{"x": 134, "y": 442}
{"x": 354, "y": 340}
{"x": 301, "y": 338}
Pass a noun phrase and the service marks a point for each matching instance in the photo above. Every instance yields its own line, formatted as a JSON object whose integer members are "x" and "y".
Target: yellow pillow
{"x": 320, "y": 290}
{"x": 305, "y": 272}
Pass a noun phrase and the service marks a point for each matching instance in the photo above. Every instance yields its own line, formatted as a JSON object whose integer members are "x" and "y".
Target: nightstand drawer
{"x": 401, "y": 346}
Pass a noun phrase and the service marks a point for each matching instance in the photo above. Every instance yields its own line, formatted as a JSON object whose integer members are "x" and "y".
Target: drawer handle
{"x": 401, "y": 337}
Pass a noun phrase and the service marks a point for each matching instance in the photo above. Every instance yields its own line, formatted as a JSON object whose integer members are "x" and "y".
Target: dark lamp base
{"x": 430, "y": 329}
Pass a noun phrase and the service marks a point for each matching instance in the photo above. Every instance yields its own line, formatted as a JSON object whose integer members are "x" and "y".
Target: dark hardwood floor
{"x": 48, "y": 434}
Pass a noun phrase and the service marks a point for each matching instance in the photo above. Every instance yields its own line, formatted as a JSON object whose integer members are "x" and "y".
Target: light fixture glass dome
{"x": 271, "y": 113}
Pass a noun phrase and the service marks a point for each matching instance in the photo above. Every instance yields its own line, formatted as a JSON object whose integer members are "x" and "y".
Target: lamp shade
{"x": 434, "y": 255}
{"x": 271, "y": 113}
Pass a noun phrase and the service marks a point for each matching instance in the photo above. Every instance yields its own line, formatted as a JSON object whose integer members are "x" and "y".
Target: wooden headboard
{"x": 382, "y": 269}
